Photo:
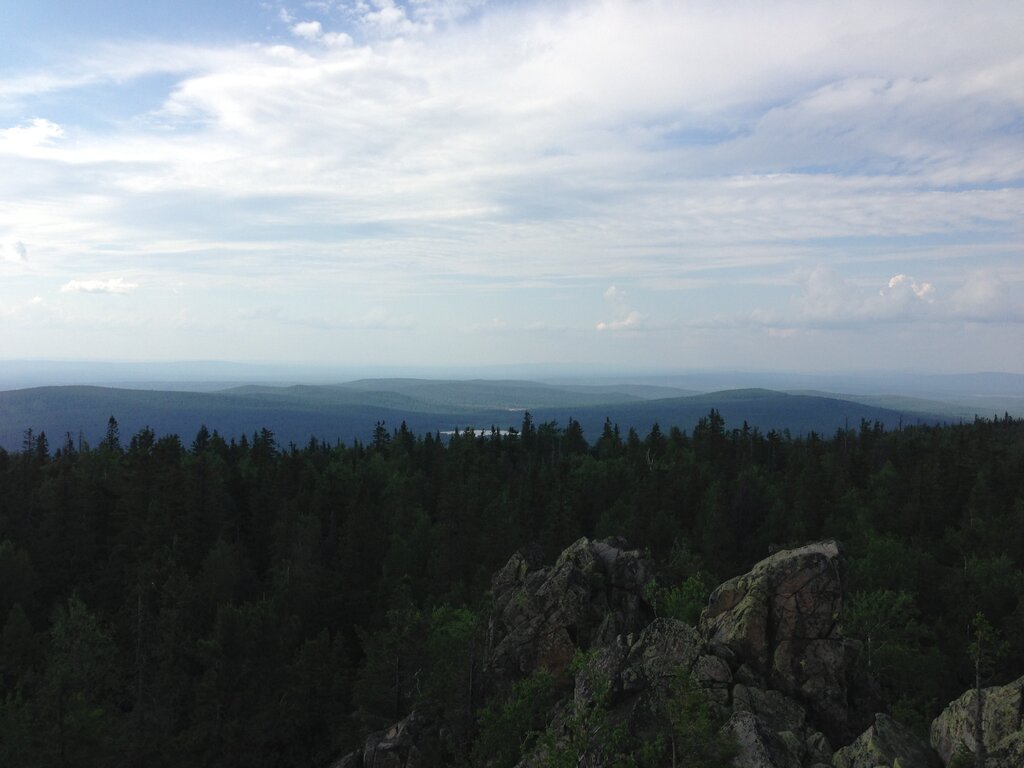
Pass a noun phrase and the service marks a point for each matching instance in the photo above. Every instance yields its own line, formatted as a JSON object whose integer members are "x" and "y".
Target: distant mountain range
{"x": 350, "y": 411}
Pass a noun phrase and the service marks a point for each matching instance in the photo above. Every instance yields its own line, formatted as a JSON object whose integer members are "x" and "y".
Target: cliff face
{"x": 768, "y": 658}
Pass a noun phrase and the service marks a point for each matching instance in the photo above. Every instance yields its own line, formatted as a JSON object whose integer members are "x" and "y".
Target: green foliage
{"x": 687, "y": 586}
{"x": 422, "y": 658}
{"x": 509, "y": 727}
{"x": 685, "y": 601}
{"x": 987, "y": 648}
{"x": 239, "y": 600}
{"x": 899, "y": 652}
{"x": 695, "y": 736}
{"x": 586, "y": 734}
{"x": 589, "y": 734}
{"x": 314, "y": 703}
{"x": 78, "y": 688}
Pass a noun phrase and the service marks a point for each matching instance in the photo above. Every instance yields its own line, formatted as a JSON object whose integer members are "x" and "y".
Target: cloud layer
{"x": 393, "y": 155}
{"x": 113, "y": 285}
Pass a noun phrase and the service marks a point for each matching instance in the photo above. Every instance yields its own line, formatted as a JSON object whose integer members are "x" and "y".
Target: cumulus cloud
{"x": 828, "y": 298}
{"x": 113, "y": 285}
{"x": 986, "y": 295}
{"x": 13, "y": 250}
{"x": 313, "y": 32}
{"x": 903, "y": 286}
{"x": 34, "y": 311}
{"x": 388, "y": 18}
{"x": 623, "y": 318}
{"x": 308, "y": 30}
{"x": 34, "y": 133}
{"x": 901, "y": 297}
{"x": 443, "y": 11}
{"x": 554, "y": 142}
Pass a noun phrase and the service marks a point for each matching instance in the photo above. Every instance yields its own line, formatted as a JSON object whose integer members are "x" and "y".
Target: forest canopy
{"x": 246, "y": 603}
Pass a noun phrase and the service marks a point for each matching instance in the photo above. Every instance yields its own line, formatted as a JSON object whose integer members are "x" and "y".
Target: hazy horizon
{"x": 464, "y": 185}
{"x": 211, "y": 375}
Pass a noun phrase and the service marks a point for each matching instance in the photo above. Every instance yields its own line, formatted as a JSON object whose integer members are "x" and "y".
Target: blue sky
{"x": 647, "y": 185}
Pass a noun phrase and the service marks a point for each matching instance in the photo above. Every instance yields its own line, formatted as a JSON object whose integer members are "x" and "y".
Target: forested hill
{"x": 172, "y": 601}
{"x": 350, "y": 411}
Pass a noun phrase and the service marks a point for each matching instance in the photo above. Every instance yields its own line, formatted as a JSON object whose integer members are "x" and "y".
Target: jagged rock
{"x": 780, "y": 620}
{"x": 759, "y": 746}
{"x": 542, "y": 615}
{"x": 639, "y": 679}
{"x": 819, "y": 749}
{"x": 714, "y": 676}
{"x": 665, "y": 647}
{"x": 745, "y": 675}
{"x": 602, "y": 675}
{"x": 777, "y": 711}
{"x": 1002, "y": 725}
{"x": 1009, "y": 753}
{"x": 414, "y": 742}
{"x": 768, "y": 655}
{"x": 885, "y": 743}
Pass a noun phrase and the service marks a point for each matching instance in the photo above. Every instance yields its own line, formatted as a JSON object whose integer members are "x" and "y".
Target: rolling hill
{"x": 350, "y": 411}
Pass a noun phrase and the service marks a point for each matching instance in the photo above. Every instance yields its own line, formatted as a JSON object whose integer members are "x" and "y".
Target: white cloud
{"x": 308, "y": 30}
{"x": 901, "y": 285}
{"x": 313, "y": 32}
{"x": 113, "y": 285}
{"x": 443, "y": 11}
{"x": 631, "y": 320}
{"x": 36, "y": 132}
{"x": 553, "y": 143}
{"x": 13, "y": 250}
{"x": 828, "y": 298}
{"x": 623, "y": 318}
{"x": 986, "y": 296}
{"x": 388, "y": 18}
{"x": 33, "y": 312}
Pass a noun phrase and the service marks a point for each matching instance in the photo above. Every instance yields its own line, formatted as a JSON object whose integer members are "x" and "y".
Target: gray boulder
{"x": 542, "y": 614}
{"x": 759, "y": 746}
{"x": 1002, "y": 725}
{"x": 414, "y": 742}
{"x": 779, "y": 623}
{"x": 886, "y": 743}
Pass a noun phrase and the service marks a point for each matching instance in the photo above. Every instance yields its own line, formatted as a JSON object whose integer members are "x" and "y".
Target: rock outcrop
{"x": 414, "y": 742}
{"x": 886, "y": 743}
{"x": 1002, "y": 726}
{"x": 591, "y": 595}
{"x": 770, "y": 725}
{"x": 781, "y": 620}
{"x": 768, "y": 658}
{"x": 761, "y": 747}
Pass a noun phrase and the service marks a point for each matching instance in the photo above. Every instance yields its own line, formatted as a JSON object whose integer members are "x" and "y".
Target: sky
{"x": 633, "y": 185}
